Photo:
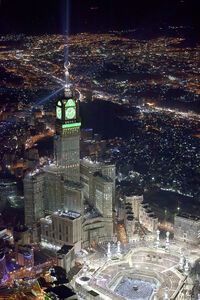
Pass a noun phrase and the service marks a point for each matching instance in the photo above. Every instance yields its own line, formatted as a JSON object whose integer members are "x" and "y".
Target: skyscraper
{"x": 62, "y": 227}
{"x": 55, "y": 188}
{"x": 34, "y": 197}
{"x": 85, "y": 196}
{"x": 67, "y": 138}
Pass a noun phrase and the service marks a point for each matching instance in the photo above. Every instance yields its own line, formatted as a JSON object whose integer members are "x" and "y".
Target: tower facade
{"x": 79, "y": 203}
{"x": 67, "y": 138}
{"x": 62, "y": 227}
{"x": 33, "y": 197}
{"x": 102, "y": 190}
{"x": 88, "y": 169}
{"x": 53, "y": 189}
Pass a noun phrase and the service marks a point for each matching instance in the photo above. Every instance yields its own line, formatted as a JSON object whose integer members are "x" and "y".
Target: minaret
{"x": 67, "y": 138}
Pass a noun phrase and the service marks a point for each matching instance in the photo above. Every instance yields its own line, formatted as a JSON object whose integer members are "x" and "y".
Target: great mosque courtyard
{"x": 141, "y": 270}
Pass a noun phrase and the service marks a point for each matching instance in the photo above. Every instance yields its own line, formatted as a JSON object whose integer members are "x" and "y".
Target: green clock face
{"x": 58, "y": 112}
{"x": 70, "y": 103}
{"x": 70, "y": 113}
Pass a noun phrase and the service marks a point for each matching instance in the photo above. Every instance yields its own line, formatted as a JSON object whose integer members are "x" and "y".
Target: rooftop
{"x": 93, "y": 293}
{"x": 72, "y": 215}
{"x": 90, "y": 163}
{"x": 73, "y": 185}
{"x": 102, "y": 177}
{"x": 62, "y": 292}
{"x": 91, "y": 212}
{"x": 2, "y": 228}
{"x": 189, "y": 216}
{"x": 53, "y": 168}
{"x": 86, "y": 161}
{"x": 26, "y": 253}
{"x": 34, "y": 173}
{"x": 20, "y": 228}
{"x": 65, "y": 249}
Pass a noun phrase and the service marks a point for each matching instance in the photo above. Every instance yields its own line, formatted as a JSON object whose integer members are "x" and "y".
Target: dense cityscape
{"x": 138, "y": 75}
{"x": 100, "y": 165}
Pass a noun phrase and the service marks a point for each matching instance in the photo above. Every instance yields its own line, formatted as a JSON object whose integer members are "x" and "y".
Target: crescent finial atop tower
{"x": 67, "y": 89}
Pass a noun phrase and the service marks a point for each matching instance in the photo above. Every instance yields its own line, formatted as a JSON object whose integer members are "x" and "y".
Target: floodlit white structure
{"x": 67, "y": 79}
{"x": 186, "y": 266}
{"x": 157, "y": 238}
{"x": 108, "y": 250}
{"x": 118, "y": 247}
{"x": 142, "y": 273}
{"x": 167, "y": 241}
{"x": 142, "y": 212}
{"x": 181, "y": 262}
{"x": 166, "y": 296}
{"x": 187, "y": 228}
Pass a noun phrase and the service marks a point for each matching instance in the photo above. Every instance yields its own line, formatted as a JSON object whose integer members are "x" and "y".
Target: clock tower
{"x": 67, "y": 138}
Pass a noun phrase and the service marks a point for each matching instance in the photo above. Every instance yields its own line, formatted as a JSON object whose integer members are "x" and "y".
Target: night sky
{"x": 46, "y": 16}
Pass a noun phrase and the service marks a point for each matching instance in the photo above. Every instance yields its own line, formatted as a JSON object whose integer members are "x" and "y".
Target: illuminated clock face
{"x": 58, "y": 112}
{"x": 70, "y": 113}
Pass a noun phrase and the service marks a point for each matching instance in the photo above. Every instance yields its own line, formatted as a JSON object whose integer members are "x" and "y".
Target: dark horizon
{"x": 34, "y": 17}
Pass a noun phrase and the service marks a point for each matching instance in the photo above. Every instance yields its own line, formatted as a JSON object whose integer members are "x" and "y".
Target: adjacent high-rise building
{"x": 34, "y": 197}
{"x": 102, "y": 188}
{"x": 62, "y": 227}
{"x": 88, "y": 169}
{"x": 187, "y": 228}
{"x": 3, "y": 268}
{"x": 142, "y": 212}
{"x": 73, "y": 196}
{"x": 53, "y": 188}
{"x": 98, "y": 180}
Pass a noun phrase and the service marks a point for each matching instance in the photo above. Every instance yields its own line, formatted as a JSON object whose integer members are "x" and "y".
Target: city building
{"x": 88, "y": 169}
{"x": 73, "y": 196}
{"x": 103, "y": 194}
{"x": 134, "y": 202}
{"x": 96, "y": 229}
{"x": 21, "y": 235}
{"x": 147, "y": 217}
{"x": 65, "y": 257}
{"x": 129, "y": 221}
{"x": 5, "y": 234}
{"x": 3, "y": 268}
{"x": 33, "y": 197}
{"x": 62, "y": 228}
{"x": 187, "y": 228}
{"x": 142, "y": 212}
{"x": 25, "y": 256}
{"x": 98, "y": 180}
{"x": 8, "y": 190}
{"x": 53, "y": 188}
